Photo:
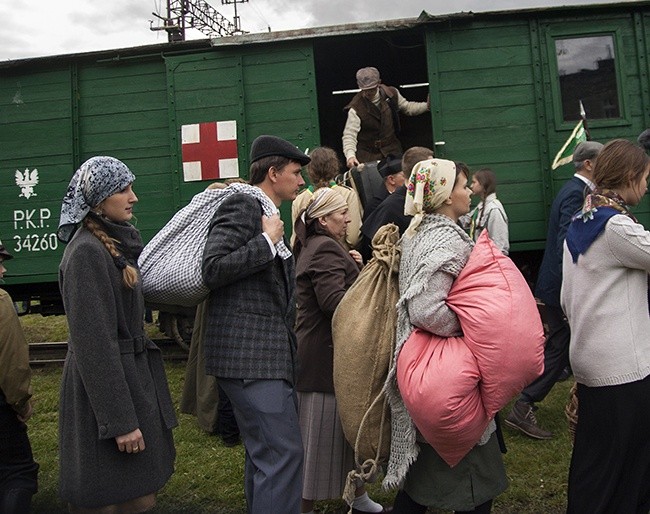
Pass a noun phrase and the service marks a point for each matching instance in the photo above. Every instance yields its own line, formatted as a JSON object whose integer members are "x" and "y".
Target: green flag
{"x": 565, "y": 154}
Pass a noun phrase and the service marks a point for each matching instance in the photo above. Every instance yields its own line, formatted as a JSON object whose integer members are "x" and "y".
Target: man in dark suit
{"x": 250, "y": 345}
{"x": 392, "y": 176}
{"x": 391, "y": 209}
{"x": 549, "y": 282}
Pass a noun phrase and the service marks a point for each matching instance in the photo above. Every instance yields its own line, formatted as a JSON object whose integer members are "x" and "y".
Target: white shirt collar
{"x": 591, "y": 185}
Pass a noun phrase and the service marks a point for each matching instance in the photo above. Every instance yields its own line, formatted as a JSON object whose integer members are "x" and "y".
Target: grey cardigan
{"x": 113, "y": 379}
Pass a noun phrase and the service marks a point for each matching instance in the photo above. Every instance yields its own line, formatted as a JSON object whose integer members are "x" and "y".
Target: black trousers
{"x": 610, "y": 463}
{"x": 556, "y": 356}
{"x": 227, "y": 426}
{"x": 17, "y": 467}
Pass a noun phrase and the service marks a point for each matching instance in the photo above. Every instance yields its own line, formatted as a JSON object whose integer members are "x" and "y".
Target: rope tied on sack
{"x": 386, "y": 254}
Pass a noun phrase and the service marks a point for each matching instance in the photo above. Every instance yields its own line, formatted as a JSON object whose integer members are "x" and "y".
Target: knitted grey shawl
{"x": 438, "y": 245}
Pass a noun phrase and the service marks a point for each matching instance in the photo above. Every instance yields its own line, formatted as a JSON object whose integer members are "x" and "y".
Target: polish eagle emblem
{"x": 26, "y": 182}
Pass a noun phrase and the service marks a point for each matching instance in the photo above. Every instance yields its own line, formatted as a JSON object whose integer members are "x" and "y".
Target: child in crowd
{"x": 489, "y": 213}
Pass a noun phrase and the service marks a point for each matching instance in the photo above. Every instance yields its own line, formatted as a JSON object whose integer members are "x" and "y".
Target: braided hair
{"x": 129, "y": 273}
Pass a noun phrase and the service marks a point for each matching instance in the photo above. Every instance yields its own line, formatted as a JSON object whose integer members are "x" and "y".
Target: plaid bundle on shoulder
{"x": 171, "y": 262}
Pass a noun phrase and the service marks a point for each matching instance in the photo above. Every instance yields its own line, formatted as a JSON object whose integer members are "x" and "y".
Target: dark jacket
{"x": 391, "y": 210}
{"x": 567, "y": 203}
{"x": 113, "y": 379}
{"x": 374, "y": 202}
{"x": 379, "y": 126}
{"x": 324, "y": 271}
{"x": 251, "y": 311}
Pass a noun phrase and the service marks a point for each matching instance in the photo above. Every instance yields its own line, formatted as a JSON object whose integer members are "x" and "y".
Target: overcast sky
{"x": 34, "y": 28}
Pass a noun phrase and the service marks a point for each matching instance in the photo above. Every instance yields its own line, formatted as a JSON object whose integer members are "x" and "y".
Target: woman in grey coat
{"x": 115, "y": 415}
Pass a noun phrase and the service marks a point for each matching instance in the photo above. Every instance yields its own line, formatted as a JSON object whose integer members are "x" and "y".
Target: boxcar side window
{"x": 587, "y": 72}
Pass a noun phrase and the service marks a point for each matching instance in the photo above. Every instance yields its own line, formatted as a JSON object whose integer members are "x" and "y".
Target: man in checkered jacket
{"x": 250, "y": 345}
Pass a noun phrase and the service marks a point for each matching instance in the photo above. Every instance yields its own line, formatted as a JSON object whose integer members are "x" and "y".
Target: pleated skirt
{"x": 328, "y": 456}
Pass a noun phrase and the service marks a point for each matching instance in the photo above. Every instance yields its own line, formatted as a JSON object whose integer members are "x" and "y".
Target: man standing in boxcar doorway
{"x": 549, "y": 282}
{"x": 250, "y": 344}
{"x": 372, "y": 124}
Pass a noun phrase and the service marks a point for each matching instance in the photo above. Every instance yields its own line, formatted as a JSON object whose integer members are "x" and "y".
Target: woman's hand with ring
{"x": 133, "y": 442}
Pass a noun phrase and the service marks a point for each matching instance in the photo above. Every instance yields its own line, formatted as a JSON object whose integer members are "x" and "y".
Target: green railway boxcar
{"x": 504, "y": 89}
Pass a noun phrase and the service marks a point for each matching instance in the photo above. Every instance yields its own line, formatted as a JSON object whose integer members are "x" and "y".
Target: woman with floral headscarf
{"x": 434, "y": 251}
{"x": 115, "y": 414}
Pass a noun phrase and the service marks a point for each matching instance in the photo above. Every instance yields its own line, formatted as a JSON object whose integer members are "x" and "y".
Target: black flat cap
{"x": 266, "y": 146}
{"x": 4, "y": 253}
{"x": 390, "y": 165}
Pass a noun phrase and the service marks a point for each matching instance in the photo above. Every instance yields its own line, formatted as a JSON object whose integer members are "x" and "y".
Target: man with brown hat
{"x": 18, "y": 471}
{"x": 250, "y": 345}
{"x": 372, "y": 124}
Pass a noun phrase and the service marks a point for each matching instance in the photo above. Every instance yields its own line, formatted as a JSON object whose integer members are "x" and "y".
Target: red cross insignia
{"x": 209, "y": 150}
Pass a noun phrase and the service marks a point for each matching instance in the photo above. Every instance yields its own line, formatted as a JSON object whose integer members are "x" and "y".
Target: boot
{"x": 16, "y": 501}
{"x": 522, "y": 417}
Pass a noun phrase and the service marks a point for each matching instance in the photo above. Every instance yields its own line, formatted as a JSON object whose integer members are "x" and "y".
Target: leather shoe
{"x": 385, "y": 510}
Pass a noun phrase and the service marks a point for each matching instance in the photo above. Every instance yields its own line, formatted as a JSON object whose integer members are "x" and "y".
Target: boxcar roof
{"x": 406, "y": 23}
{"x": 316, "y": 32}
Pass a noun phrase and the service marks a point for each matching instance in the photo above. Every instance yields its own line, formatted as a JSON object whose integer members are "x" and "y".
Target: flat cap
{"x": 4, "y": 253}
{"x": 587, "y": 150}
{"x": 390, "y": 165}
{"x": 266, "y": 146}
{"x": 367, "y": 78}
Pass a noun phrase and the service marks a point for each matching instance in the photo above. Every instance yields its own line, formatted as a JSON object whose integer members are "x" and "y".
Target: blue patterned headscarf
{"x": 94, "y": 181}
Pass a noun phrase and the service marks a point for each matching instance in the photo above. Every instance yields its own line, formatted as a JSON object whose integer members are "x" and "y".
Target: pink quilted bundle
{"x": 453, "y": 386}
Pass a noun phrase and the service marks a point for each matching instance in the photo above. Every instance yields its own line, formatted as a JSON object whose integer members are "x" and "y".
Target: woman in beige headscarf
{"x": 434, "y": 251}
{"x": 324, "y": 272}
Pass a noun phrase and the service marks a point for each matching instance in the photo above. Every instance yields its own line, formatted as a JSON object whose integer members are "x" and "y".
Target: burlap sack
{"x": 363, "y": 333}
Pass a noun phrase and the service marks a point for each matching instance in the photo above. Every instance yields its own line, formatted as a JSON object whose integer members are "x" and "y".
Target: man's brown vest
{"x": 377, "y": 137}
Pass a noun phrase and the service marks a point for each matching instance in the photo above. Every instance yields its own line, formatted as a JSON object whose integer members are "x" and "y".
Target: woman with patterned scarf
{"x": 115, "y": 413}
{"x": 605, "y": 298}
{"x": 434, "y": 251}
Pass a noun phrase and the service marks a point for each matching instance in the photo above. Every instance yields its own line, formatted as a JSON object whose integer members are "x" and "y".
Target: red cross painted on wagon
{"x": 209, "y": 150}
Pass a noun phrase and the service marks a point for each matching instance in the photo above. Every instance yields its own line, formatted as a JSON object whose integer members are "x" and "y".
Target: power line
{"x": 237, "y": 21}
{"x": 259, "y": 13}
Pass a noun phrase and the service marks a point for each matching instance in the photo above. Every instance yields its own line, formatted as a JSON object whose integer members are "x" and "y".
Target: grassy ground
{"x": 208, "y": 477}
